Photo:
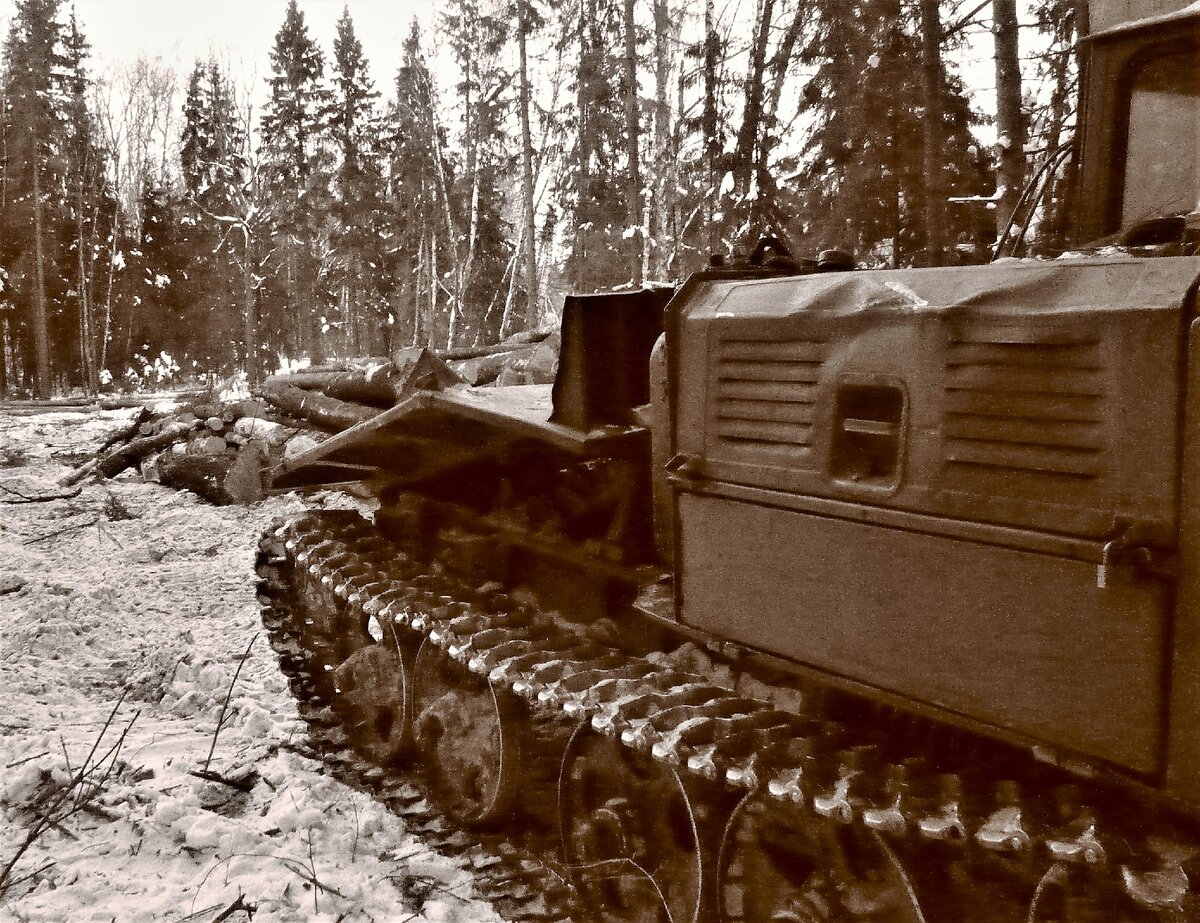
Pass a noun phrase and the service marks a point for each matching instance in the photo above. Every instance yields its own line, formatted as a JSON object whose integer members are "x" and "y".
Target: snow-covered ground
{"x": 131, "y": 593}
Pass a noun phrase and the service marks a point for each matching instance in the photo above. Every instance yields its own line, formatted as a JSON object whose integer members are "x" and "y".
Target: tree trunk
{"x": 91, "y": 374}
{"x": 708, "y": 122}
{"x": 769, "y": 136}
{"x": 40, "y": 323}
{"x": 531, "y": 275}
{"x": 633, "y": 187}
{"x": 664, "y": 190}
{"x": 935, "y": 196}
{"x": 250, "y": 312}
{"x": 585, "y": 142}
{"x": 3, "y": 358}
{"x": 511, "y": 295}
{"x": 1010, "y": 119}
{"x": 752, "y": 112}
{"x": 106, "y": 335}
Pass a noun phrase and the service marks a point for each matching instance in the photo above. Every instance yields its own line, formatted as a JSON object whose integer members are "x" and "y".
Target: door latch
{"x": 1134, "y": 548}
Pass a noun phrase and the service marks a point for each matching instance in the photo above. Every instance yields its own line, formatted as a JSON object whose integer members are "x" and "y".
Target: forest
{"x": 155, "y": 227}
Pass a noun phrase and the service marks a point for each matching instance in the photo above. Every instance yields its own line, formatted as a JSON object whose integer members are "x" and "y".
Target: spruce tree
{"x": 214, "y": 167}
{"x": 168, "y": 284}
{"x": 296, "y": 178}
{"x": 597, "y": 161}
{"x": 417, "y": 220}
{"x": 357, "y": 209}
{"x": 35, "y": 64}
{"x": 863, "y": 185}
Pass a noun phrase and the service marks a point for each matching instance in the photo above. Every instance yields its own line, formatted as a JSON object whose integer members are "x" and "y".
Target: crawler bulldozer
{"x": 814, "y": 593}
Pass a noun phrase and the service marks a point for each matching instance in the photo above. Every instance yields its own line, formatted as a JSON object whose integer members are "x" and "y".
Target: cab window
{"x": 1161, "y": 171}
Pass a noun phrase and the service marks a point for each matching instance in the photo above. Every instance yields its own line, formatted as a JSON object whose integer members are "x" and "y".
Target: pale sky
{"x": 240, "y": 32}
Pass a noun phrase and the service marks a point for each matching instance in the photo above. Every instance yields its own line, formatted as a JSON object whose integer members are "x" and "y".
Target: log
{"x": 483, "y": 370}
{"x": 344, "y": 365}
{"x": 525, "y": 338}
{"x": 313, "y": 406}
{"x": 203, "y": 475}
{"x": 78, "y": 474}
{"x": 269, "y": 433}
{"x": 246, "y": 480}
{"x": 51, "y": 404}
{"x": 379, "y": 390}
{"x": 133, "y": 452}
{"x": 381, "y": 386}
{"x": 125, "y": 433}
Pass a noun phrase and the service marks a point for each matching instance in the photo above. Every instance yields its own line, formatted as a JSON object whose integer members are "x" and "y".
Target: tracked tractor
{"x": 808, "y": 593}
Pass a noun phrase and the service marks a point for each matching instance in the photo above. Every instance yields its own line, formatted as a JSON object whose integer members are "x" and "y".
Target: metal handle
{"x": 685, "y": 469}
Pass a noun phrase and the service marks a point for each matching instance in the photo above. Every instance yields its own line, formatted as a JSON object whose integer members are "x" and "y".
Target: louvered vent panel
{"x": 1028, "y": 405}
{"x": 764, "y": 395}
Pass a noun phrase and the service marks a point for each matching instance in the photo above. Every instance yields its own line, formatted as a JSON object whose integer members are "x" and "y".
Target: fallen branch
{"x": 63, "y": 531}
{"x": 238, "y": 905}
{"x": 40, "y": 498}
{"x": 300, "y": 871}
{"x": 37, "y": 871}
{"x": 21, "y": 762}
{"x": 245, "y": 784}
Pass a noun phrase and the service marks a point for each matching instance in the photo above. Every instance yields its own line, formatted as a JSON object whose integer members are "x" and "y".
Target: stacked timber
{"x": 225, "y": 451}
{"x": 219, "y": 450}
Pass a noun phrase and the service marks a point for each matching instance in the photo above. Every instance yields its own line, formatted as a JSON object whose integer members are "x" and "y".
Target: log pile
{"x": 224, "y": 451}
{"x": 221, "y": 451}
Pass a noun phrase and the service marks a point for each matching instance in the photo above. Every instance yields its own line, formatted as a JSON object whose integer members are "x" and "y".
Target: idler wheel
{"x": 467, "y": 736}
{"x": 783, "y": 862}
{"x": 372, "y": 693}
{"x": 630, "y": 834}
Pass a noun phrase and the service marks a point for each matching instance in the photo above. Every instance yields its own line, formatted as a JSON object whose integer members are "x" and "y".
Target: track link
{"x": 801, "y": 764}
{"x": 517, "y": 883}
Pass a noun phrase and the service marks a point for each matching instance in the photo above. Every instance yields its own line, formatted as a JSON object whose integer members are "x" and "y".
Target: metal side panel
{"x": 1183, "y": 756}
{"x": 1014, "y": 639}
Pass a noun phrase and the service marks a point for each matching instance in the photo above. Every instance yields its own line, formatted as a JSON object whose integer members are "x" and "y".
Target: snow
{"x": 130, "y": 593}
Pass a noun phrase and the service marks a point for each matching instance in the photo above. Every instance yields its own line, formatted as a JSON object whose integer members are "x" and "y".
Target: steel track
{"x": 788, "y": 764}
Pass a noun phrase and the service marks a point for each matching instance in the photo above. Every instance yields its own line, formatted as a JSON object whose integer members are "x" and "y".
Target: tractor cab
{"x": 1138, "y": 179}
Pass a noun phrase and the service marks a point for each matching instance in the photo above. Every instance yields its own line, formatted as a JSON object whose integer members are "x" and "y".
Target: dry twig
{"x": 238, "y": 905}
{"x": 79, "y": 794}
{"x": 225, "y": 704}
